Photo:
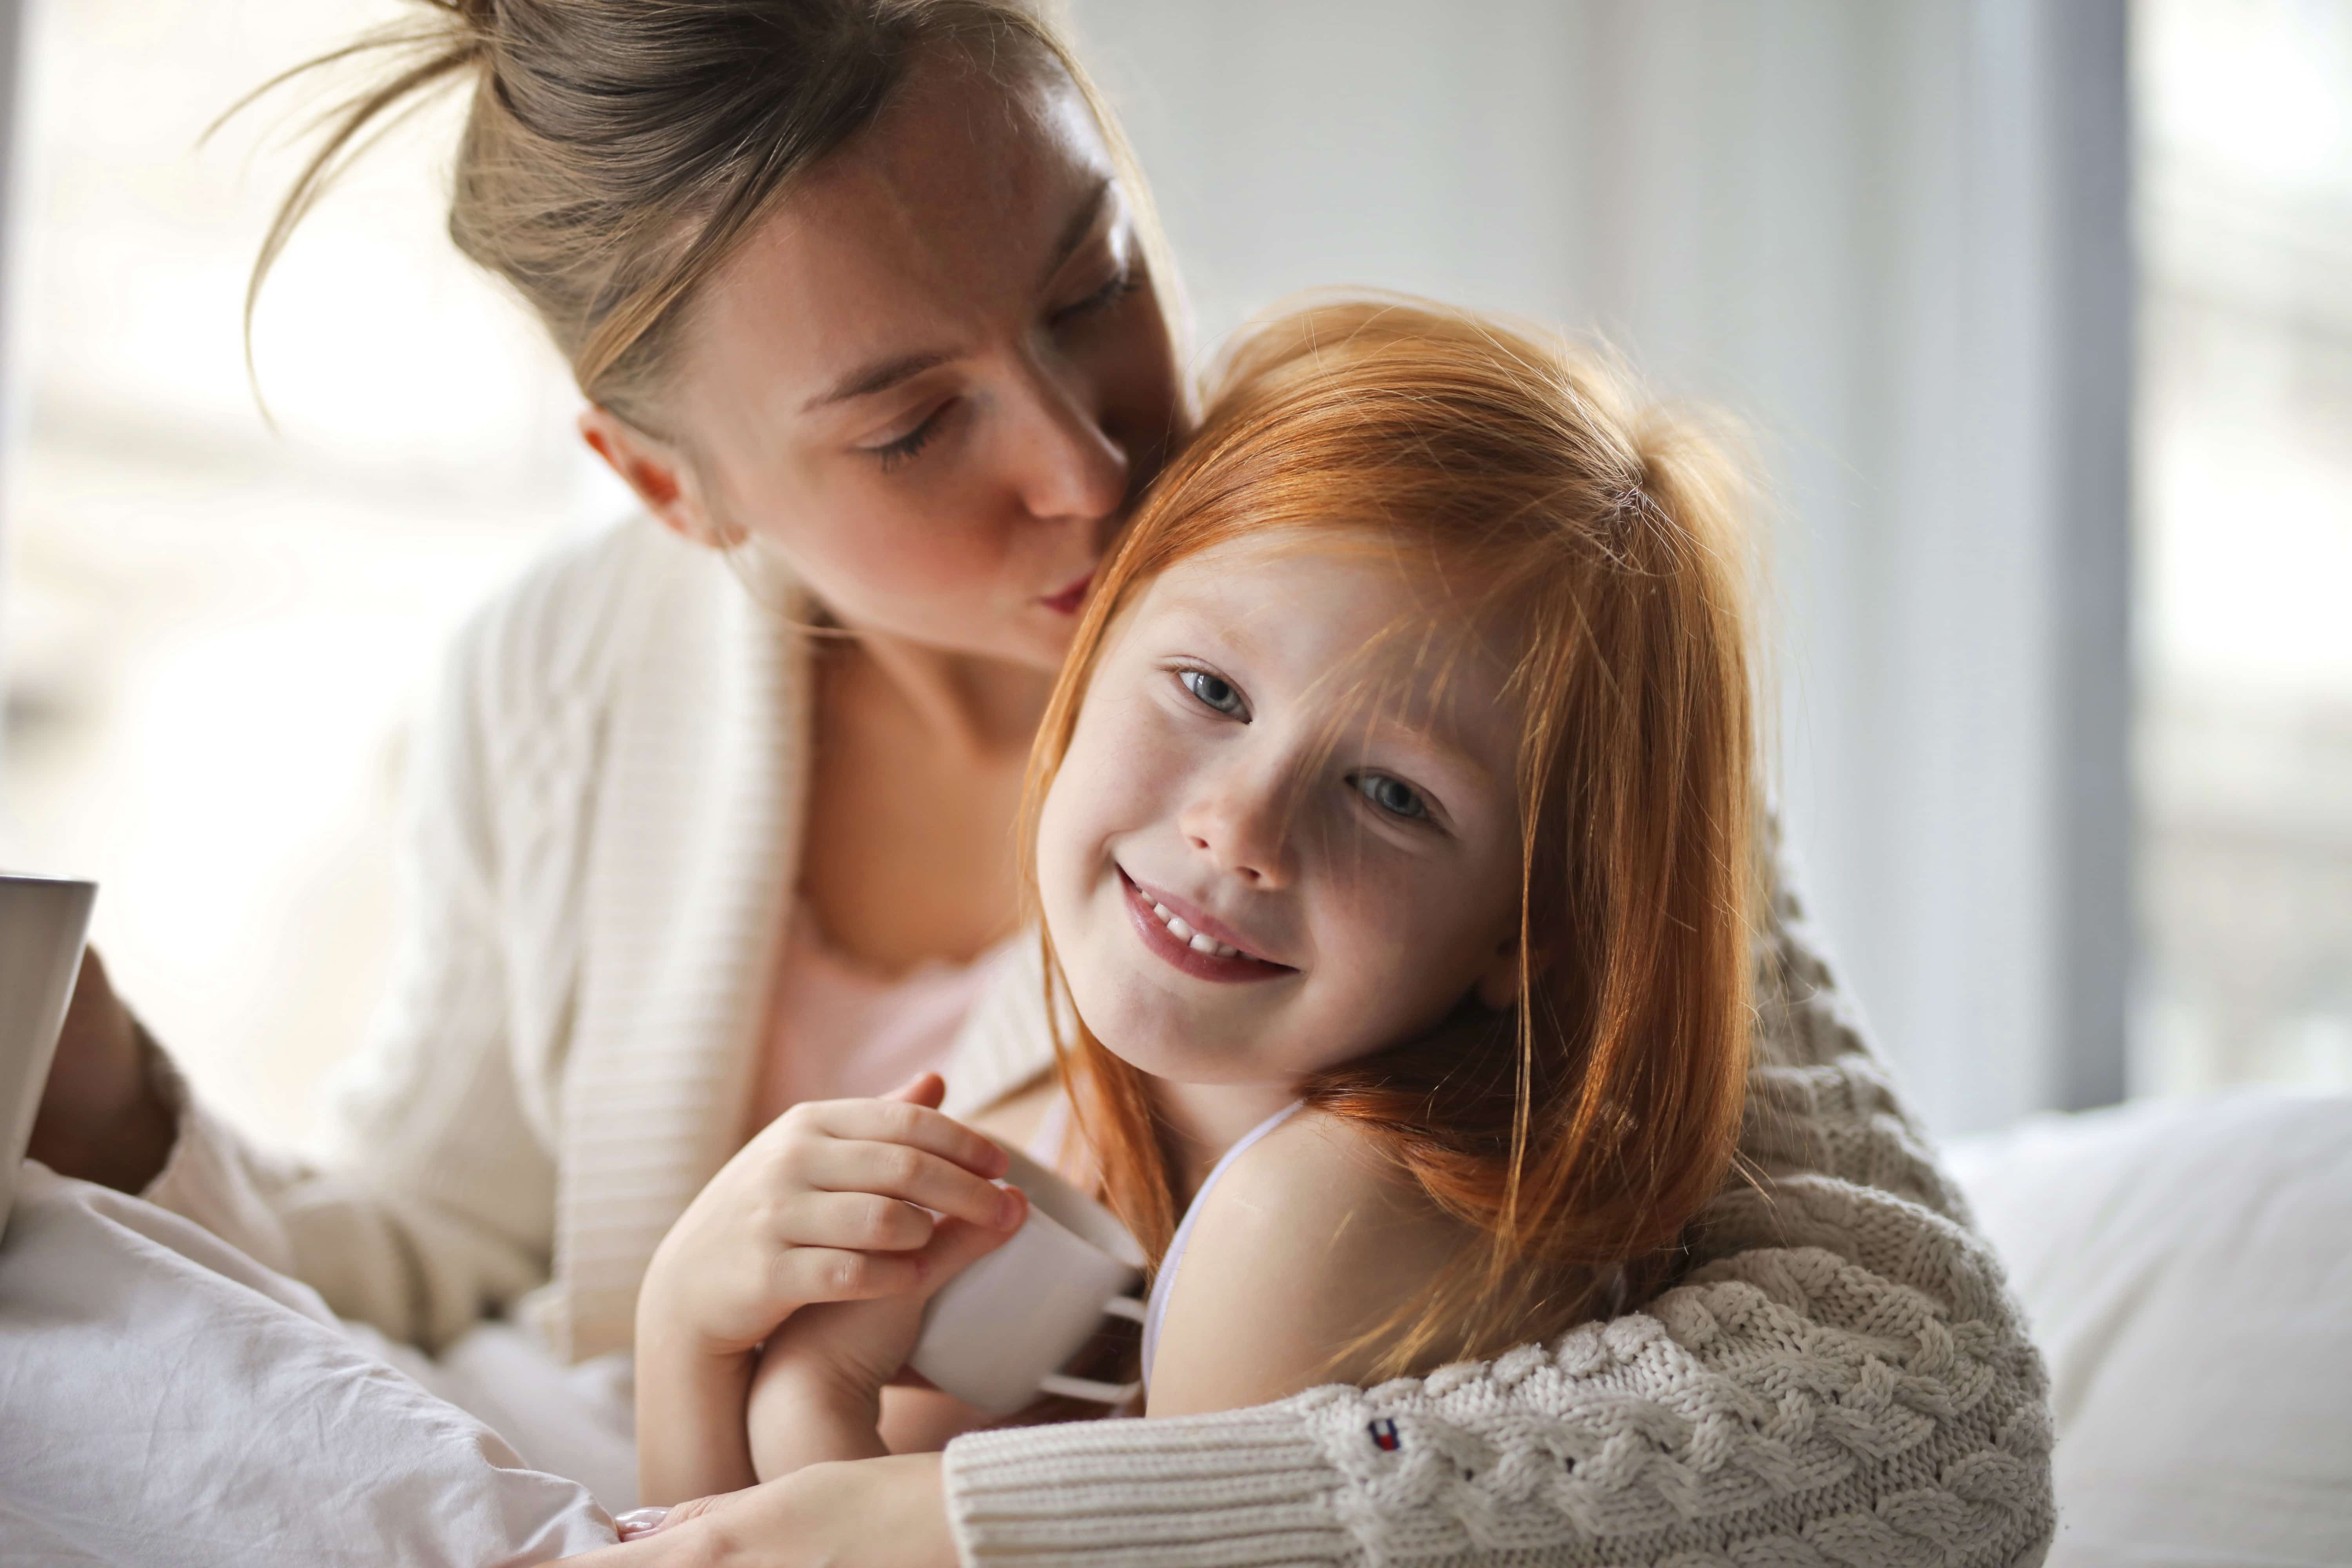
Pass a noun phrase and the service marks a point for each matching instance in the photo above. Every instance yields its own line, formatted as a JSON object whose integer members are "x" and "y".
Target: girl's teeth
{"x": 1194, "y": 940}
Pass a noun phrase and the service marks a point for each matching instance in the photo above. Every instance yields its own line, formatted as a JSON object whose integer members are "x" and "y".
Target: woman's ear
{"x": 659, "y": 473}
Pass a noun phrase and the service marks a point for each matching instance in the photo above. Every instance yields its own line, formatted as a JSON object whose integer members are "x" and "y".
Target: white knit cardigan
{"x": 607, "y": 804}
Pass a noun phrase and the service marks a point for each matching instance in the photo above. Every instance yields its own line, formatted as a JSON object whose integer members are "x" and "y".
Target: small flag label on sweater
{"x": 1384, "y": 1435}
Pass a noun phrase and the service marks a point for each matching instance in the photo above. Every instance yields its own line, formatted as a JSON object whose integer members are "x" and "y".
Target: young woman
{"x": 863, "y": 299}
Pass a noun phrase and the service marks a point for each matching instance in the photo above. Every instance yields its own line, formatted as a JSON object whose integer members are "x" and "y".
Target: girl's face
{"x": 933, "y": 379}
{"x": 1282, "y": 839}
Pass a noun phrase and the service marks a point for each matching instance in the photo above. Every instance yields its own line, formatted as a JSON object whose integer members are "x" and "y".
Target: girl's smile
{"x": 1201, "y": 946}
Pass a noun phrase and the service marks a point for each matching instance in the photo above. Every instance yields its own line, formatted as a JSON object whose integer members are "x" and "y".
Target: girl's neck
{"x": 1204, "y": 1120}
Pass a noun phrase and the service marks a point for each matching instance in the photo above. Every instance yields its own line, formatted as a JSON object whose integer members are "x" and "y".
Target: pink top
{"x": 839, "y": 1030}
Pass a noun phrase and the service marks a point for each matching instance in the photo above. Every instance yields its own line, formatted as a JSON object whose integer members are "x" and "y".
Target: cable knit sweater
{"x": 608, "y": 805}
{"x": 1842, "y": 1381}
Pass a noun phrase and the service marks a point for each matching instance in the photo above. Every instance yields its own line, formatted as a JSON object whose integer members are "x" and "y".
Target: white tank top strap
{"x": 1164, "y": 1281}
{"x": 1051, "y": 1138}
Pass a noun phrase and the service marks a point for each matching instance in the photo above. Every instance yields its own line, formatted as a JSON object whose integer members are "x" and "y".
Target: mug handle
{"x": 1087, "y": 1388}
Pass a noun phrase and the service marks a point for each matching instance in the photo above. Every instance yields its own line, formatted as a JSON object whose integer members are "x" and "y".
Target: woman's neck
{"x": 1204, "y": 1120}
{"x": 975, "y": 710}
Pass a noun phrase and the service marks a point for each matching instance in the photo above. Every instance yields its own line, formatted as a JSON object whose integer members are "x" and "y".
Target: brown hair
{"x": 617, "y": 151}
{"x": 1581, "y": 1131}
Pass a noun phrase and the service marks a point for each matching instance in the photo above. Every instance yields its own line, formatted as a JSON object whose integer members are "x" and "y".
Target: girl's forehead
{"x": 1348, "y": 619}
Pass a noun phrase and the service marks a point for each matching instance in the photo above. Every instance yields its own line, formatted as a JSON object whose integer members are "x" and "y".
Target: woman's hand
{"x": 866, "y": 1513}
{"x": 101, "y": 1117}
{"x": 826, "y": 1204}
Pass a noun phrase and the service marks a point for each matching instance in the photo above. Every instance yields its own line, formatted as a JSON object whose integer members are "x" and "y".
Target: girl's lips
{"x": 1067, "y": 601}
{"x": 1182, "y": 954}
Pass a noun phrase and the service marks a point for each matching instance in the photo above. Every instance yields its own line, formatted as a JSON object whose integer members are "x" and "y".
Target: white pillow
{"x": 2187, "y": 1267}
{"x": 166, "y": 1401}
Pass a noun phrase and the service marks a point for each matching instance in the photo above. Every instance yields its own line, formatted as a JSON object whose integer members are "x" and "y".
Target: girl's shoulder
{"x": 1302, "y": 1267}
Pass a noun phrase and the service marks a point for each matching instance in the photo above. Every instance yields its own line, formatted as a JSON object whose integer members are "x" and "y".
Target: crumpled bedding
{"x": 166, "y": 1401}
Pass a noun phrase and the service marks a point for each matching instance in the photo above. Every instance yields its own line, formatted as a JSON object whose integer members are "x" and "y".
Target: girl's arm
{"x": 1310, "y": 1243}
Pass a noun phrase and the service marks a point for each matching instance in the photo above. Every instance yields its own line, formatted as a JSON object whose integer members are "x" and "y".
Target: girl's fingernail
{"x": 1011, "y": 1208}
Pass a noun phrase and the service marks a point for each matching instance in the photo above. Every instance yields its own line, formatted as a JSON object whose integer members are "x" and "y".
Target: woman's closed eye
{"x": 901, "y": 449}
{"x": 1116, "y": 288}
{"x": 1215, "y": 692}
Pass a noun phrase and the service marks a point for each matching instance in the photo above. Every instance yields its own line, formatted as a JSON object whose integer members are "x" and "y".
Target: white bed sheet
{"x": 164, "y": 1399}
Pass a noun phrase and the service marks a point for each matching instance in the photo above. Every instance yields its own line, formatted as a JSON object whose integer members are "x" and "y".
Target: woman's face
{"x": 933, "y": 379}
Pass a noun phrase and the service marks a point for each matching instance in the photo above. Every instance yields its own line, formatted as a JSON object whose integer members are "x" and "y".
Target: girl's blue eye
{"x": 1213, "y": 692}
{"x": 1394, "y": 796}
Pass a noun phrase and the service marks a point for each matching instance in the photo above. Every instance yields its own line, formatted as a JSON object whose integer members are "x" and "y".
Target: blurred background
{"x": 2040, "y": 312}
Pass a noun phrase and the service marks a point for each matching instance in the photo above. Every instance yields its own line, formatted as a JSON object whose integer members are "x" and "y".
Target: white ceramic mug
{"x": 43, "y": 921}
{"x": 998, "y": 1334}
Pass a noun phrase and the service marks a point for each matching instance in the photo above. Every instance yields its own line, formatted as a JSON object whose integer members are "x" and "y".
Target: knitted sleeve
{"x": 1841, "y": 1379}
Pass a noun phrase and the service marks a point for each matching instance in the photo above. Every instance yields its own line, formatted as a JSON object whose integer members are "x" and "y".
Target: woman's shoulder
{"x": 564, "y": 622}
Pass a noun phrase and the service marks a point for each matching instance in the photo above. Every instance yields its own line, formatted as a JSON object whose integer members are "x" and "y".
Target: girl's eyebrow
{"x": 882, "y": 375}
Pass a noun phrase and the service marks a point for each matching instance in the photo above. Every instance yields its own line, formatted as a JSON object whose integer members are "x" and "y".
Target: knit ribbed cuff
{"x": 1241, "y": 1488}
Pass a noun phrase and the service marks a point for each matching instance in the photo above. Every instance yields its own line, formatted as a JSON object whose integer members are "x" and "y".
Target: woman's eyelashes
{"x": 1118, "y": 287}
{"x": 900, "y": 449}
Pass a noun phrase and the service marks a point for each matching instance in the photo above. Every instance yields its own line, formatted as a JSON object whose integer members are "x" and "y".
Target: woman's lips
{"x": 1067, "y": 601}
{"x": 1178, "y": 950}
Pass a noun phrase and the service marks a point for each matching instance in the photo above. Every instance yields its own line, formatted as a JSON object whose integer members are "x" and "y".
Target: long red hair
{"x": 1582, "y": 1131}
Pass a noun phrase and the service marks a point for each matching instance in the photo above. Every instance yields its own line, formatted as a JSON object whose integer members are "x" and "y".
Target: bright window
{"x": 214, "y": 631}
{"x": 2245, "y": 476}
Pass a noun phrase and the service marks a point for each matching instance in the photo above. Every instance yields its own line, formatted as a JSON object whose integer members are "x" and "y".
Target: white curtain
{"x": 1894, "y": 236}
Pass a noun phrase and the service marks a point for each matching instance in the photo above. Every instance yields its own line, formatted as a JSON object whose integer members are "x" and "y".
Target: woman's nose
{"x": 1241, "y": 824}
{"x": 1069, "y": 466}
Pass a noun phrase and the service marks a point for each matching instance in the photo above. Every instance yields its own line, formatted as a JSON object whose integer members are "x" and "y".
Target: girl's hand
{"x": 869, "y": 1513}
{"x": 101, "y": 1118}
{"x": 817, "y": 1394}
{"x": 826, "y": 1204}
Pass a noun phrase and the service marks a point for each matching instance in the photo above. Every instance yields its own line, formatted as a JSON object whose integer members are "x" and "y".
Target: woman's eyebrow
{"x": 881, "y": 375}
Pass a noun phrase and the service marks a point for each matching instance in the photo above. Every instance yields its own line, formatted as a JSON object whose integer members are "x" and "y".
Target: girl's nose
{"x": 1241, "y": 825}
{"x": 1069, "y": 466}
